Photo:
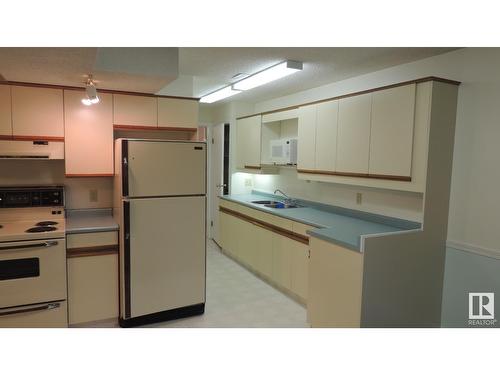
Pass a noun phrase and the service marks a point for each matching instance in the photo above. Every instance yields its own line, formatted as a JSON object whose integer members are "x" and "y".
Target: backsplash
{"x": 80, "y": 192}
{"x": 404, "y": 205}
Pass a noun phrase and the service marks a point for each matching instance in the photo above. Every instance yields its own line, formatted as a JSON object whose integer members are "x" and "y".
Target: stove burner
{"x": 41, "y": 229}
{"x": 45, "y": 223}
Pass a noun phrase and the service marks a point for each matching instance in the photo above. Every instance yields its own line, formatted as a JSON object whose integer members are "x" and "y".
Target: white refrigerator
{"x": 160, "y": 203}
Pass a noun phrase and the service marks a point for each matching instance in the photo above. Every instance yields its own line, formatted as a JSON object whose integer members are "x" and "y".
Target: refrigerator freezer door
{"x": 158, "y": 168}
{"x": 166, "y": 256}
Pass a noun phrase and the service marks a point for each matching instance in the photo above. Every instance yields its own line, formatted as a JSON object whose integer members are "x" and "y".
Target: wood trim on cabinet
{"x": 349, "y": 174}
{"x": 419, "y": 80}
{"x": 262, "y": 224}
{"x": 70, "y": 175}
{"x": 6, "y": 137}
{"x": 252, "y": 167}
{"x": 36, "y": 138}
{"x": 177, "y": 129}
{"x": 105, "y": 91}
{"x": 91, "y": 251}
{"x": 153, "y": 128}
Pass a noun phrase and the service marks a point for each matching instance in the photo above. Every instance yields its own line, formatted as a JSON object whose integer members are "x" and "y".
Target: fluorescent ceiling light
{"x": 271, "y": 74}
{"x": 223, "y": 93}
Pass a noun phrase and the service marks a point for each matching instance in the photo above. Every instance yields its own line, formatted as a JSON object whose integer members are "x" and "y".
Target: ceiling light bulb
{"x": 223, "y": 93}
{"x": 271, "y": 74}
{"x": 91, "y": 92}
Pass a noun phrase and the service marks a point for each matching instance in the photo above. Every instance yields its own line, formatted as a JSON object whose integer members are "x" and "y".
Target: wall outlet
{"x": 359, "y": 198}
{"x": 248, "y": 182}
{"x": 93, "y": 197}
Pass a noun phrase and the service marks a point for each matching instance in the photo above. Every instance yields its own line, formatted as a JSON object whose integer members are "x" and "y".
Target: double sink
{"x": 277, "y": 204}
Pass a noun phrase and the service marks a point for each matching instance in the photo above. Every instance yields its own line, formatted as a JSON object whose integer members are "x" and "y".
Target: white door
{"x": 159, "y": 168}
{"x": 216, "y": 178}
{"x": 166, "y": 267}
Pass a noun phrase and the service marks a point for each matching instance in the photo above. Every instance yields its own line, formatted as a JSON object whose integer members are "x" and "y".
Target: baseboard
{"x": 478, "y": 250}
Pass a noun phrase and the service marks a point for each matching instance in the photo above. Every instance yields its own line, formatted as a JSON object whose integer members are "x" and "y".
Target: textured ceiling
{"x": 197, "y": 71}
{"x": 214, "y": 67}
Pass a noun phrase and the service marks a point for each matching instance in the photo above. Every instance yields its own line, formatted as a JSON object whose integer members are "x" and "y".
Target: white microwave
{"x": 284, "y": 151}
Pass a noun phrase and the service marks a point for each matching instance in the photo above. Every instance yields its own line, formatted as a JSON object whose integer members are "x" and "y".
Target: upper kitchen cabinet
{"x": 353, "y": 144}
{"x": 178, "y": 114}
{"x": 317, "y": 139}
{"x": 37, "y": 112}
{"x": 248, "y": 143}
{"x": 326, "y": 135}
{"x": 306, "y": 146}
{"x": 5, "y": 111}
{"x": 391, "y": 139}
{"x": 135, "y": 111}
{"x": 89, "y": 135}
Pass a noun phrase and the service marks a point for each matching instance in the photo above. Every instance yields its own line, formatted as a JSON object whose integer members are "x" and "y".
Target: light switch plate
{"x": 359, "y": 198}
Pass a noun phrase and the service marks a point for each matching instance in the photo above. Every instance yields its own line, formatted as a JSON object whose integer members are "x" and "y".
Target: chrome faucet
{"x": 288, "y": 200}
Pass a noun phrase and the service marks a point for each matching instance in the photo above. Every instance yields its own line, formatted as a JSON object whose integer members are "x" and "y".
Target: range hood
{"x": 33, "y": 150}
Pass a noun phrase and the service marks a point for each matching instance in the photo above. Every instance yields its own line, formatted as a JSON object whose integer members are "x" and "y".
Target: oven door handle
{"x": 48, "y": 306}
{"x": 30, "y": 246}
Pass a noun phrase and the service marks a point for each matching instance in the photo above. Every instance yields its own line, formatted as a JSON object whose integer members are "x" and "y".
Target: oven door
{"x": 32, "y": 272}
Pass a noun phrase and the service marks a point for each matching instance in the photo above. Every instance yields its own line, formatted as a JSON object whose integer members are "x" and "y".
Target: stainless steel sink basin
{"x": 277, "y": 204}
{"x": 266, "y": 202}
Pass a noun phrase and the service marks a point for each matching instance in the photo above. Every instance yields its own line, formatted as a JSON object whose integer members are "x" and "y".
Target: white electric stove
{"x": 32, "y": 257}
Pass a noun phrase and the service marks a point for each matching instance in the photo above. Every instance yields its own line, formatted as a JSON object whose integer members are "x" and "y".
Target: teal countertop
{"x": 335, "y": 224}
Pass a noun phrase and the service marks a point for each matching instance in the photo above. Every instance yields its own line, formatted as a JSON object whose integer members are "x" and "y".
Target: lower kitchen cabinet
{"x": 299, "y": 254}
{"x": 92, "y": 288}
{"x": 279, "y": 258}
{"x": 262, "y": 248}
{"x": 282, "y": 261}
{"x": 92, "y": 267}
{"x": 335, "y": 285}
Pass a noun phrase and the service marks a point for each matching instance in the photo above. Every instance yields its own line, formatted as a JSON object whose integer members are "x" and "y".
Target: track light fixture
{"x": 91, "y": 92}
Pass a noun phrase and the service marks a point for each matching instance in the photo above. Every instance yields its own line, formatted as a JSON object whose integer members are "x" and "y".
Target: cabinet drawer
{"x": 82, "y": 240}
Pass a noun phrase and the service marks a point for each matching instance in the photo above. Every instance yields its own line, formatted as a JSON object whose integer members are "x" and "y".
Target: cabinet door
{"x": 228, "y": 233}
{"x": 177, "y": 113}
{"x": 92, "y": 288}
{"x": 37, "y": 112}
{"x": 326, "y": 135}
{"x": 5, "y": 111}
{"x": 391, "y": 140}
{"x": 335, "y": 285}
{"x": 135, "y": 110}
{"x": 306, "y": 146}
{"x": 262, "y": 249}
{"x": 88, "y": 128}
{"x": 299, "y": 254}
{"x": 354, "y": 134}
{"x": 245, "y": 242}
{"x": 282, "y": 261}
{"x": 248, "y": 132}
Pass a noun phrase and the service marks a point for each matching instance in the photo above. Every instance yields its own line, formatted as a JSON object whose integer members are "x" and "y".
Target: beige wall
{"x": 47, "y": 172}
